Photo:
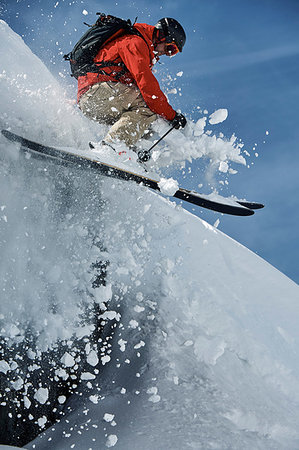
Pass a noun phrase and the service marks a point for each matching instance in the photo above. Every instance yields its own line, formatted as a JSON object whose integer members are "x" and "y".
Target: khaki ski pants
{"x": 121, "y": 106}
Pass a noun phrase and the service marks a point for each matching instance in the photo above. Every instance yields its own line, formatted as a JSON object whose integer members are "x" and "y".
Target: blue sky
{"x": 242, "y": 55}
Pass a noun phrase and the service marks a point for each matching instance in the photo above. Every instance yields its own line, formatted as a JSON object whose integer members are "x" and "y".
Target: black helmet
{"x": 171, "y": 31}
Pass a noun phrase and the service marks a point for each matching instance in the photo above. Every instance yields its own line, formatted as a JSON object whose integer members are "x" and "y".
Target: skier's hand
{"x": 179, "y": 121}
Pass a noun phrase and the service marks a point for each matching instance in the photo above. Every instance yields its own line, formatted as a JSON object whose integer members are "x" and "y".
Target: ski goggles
{"x": 171, "y": 48}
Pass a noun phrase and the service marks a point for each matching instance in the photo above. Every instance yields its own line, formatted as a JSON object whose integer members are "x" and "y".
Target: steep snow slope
{"x": 205, "y": 356}
{"x": 204, "y": 334}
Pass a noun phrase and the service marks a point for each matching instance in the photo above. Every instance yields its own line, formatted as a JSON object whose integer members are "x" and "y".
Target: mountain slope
{"x": 202, "y": 335}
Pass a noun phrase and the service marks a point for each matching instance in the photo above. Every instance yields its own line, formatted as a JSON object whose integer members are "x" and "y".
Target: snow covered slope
{"x": 202, "y": 347}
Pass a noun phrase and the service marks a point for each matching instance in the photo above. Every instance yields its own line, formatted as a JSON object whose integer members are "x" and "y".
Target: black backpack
{"x": 106, "y": 29}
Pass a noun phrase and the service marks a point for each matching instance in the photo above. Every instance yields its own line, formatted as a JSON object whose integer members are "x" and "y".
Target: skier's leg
{"x": 135, "y": 118}
{"x": 98, "y": 104}
{"x": 120, "y": 105}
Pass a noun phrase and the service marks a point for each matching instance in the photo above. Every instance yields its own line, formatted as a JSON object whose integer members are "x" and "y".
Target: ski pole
{"x": 161, "y": 138}
{"x": 145, "y": 155}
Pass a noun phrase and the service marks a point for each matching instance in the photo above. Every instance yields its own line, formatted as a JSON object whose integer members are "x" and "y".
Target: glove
{"x": 179, "y": 121}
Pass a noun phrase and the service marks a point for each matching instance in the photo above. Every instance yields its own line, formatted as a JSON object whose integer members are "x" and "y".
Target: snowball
{"x": 18, "y": 384}
{"x": 27, "y": 402}
{"x": 103, "y": 293}
{"x": 67, "y": 360}
{"x": 122, "y": 343}
{"x": 139, "y": 309}
{"x": 108, "y": 417}
{"x": 111, "y": 440}
{"x": 200, "y": 126}
{"x": 61, "y": 373}
{"x": 188, "y": 343}
{"x": 4, "y": 366}
{"x": 223, "y": 167}
{"x": 87, "y": 376}
{"x": 133, "y": 324}
{"x": 141, "y": 344}
{"x": 168, "y": 186}
{"x": 61, "y": 399}
{"x": 218, "y": 116}
{"x": 105, "y": 359}
{"x": 92, "y": 358}
{"x": 155, "y": 398}
{"x": 42, "y": 421}
{"x": 110, "y": 315}
{"x": 152, "y": 390}
{"x": 94, "y": 399}
{"x": 41, "y": 395}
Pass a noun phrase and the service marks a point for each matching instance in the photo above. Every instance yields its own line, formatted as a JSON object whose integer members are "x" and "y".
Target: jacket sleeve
{"x": 135, "y": 56}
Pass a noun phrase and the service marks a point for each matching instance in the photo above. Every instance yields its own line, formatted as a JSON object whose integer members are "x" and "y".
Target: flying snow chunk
{"x": 103, "y": 293}
{"x": 200, "y": 126}
{"x": 94, "y": 399}
{"x": 42, "y": 421}
{"x": 27, "y": 402}
{"x": 154, "y": 398}
{"x": 67, "y": 360}
{"x": 105, "y": 359}
{"x": 223, "y": 167}
{"x": 168, "y": 186}
{"x": 108, "y": 417}
{"x": 111, "y": 440}
{"x": 85, "y": 12}
{"x": 42, "y": 395}
{"x": 61, "y": 399}
{"x": 92, "y": 358}
{"x": 218, "y": 116}
{"x": 87, "y": 376}
{"x": 4, "y": 367}
{"x": 122, "y": 343}
{"x": 18, "y": 384}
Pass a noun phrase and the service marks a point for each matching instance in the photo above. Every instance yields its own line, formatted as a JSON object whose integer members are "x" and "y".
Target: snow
{"x": 4, "y": 367}
{"x": 92, "y": 358}
{"x": 168, "y": 186}
{"x": 41, "y": 395}
{"x": 218, "y": 116}
{"x": 108, "y": 417}
{"x": 201, "y": 347}
{"x": 67, "y": 360}
{"x": 111, "y": 440}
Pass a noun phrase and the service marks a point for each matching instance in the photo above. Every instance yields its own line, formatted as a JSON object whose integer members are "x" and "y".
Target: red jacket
{"x": 138, "y": 57}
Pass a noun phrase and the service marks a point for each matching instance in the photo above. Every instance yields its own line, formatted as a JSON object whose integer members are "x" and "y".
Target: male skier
{"x": 124, "y": 93}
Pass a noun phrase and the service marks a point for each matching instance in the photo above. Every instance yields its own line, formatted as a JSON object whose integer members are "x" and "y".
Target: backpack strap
{"x": 100, "y": 66}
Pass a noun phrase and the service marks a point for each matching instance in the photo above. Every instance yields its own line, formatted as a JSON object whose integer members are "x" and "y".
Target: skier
{"x": 124, "y": 93}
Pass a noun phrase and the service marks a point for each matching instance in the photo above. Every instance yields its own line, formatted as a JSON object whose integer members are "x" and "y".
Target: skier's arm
{"x": 135, "y": 57}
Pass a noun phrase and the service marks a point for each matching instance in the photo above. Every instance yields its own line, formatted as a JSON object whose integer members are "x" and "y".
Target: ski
{"x": 233, "y": 207}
